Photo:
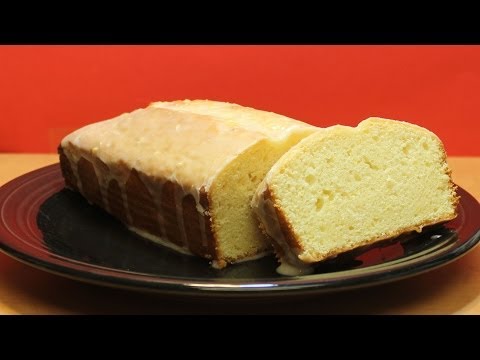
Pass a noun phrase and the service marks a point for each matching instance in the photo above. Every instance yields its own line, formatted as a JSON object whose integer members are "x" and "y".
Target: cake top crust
{"x": 189, "y": 140}
{"x": 272, "y": 125}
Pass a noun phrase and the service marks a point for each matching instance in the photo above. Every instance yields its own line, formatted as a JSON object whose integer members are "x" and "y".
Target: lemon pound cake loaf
{"x": 343, "y": 188}
{"x": 182, "y": 173}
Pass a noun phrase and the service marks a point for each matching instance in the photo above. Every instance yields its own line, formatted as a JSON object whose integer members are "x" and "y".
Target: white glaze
{"x": 186, "y": 142}
{"x": 160, "y": 241}
{"x": 187, "y": 148}
{"x": 275, "y": 126}
{"x": 288, "y": 269}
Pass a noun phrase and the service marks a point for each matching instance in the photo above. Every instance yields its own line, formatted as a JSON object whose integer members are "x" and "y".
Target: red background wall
{"x": 48, "y": 91}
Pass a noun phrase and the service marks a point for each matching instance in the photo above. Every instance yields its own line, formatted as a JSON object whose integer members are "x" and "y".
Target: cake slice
{"x": 343, "y": 187}
{"x": 182, "y": 173}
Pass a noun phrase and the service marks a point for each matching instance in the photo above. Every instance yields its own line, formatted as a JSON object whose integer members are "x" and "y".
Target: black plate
{"x": 54, "y": 229}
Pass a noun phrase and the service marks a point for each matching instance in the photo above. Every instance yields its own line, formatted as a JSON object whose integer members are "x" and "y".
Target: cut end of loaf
{"x": 344, "y": 187}
{"x": 233, "y": 222}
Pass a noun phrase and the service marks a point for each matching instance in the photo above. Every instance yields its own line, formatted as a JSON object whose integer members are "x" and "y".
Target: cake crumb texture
{"x": 342, "y": 188}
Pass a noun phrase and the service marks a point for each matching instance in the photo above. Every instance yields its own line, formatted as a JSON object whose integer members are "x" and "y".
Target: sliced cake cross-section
{"x": 342, "y": 188}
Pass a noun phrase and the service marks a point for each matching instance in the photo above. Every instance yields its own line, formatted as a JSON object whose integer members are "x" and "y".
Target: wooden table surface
{"x": 452, "y": 289}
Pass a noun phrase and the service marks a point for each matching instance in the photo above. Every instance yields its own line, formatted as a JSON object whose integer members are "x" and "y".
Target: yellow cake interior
{"x": 234, "y": 223}
{"x": 345, "y": 187}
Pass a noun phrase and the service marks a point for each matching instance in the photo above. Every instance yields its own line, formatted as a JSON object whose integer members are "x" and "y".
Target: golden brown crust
{"x": 453, "y": 187}
{"x": 115, "y": 201}
{"x": 70, "y": 180}
{"x": 89, "y": 181}
{"x": 277, "y": 229}
{"x": 193, "y": 228}
{"x": 212, "y": 246}
{"x": 168, "y": 210}
{"x": 141, "y": 206}
{"x": 142, "y": 212}
{"x": 285, "y": 226}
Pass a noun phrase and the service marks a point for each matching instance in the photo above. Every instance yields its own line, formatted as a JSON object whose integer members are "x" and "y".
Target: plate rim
{"x": 306, "y": 284}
